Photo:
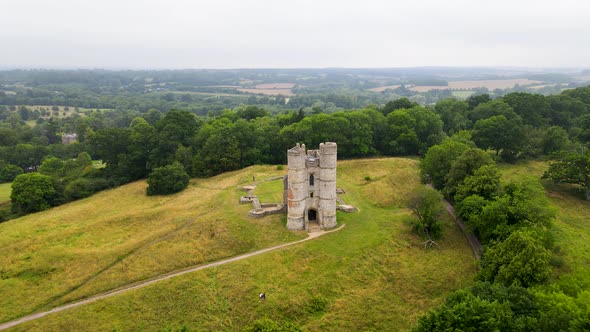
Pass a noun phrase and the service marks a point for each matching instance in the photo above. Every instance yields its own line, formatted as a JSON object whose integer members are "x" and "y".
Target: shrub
{"x": 280, "y": 167}
{"x": 521, "y": 259}
{"x": 9, "y": 173}
{"x": 34, "y": 192}
{"x": 167, "y": 180}
{"x": 83, "y": 187}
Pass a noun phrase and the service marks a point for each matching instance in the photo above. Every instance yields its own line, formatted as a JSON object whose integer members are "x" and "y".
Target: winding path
{"x": 154, "y": 280}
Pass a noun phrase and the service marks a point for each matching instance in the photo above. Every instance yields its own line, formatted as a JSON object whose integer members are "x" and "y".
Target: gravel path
{"x": 154, "y": 280}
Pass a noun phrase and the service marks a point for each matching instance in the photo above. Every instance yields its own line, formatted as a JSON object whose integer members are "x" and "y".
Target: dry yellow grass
{"x": 121, "y": 235}
{"x": 5, "y": 191}
{"x": 373, "y": 274}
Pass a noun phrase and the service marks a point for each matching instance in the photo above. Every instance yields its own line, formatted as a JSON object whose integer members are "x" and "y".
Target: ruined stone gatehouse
{"x": 311, "y": 187}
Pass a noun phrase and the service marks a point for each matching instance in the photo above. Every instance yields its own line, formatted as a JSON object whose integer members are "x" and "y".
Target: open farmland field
{"x": 373, "y": 274}
{"x": 5, "y": 191}
{"x": 462, "y": 94}
{"x": 269, "y": 92}
{"x": 468, "y": 85}
{"x": 275, "y": 86}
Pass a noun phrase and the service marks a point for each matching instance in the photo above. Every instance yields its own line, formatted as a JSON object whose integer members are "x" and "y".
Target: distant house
{"x": 69, "y": 138}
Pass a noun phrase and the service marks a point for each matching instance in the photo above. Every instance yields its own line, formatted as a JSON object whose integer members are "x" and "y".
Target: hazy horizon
{"x": 232, "y": 34}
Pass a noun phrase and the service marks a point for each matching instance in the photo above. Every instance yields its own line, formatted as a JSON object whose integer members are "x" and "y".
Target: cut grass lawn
{"x": 373, "y": 274}
{"x": 5, "y": 191}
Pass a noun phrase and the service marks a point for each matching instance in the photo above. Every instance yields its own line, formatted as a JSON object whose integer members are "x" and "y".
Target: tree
{"x": 534, "y": 109}
{"x": 414, "y": 130}
{"x": 485, "y": 182}
{"x": 167, "y": 180}
{"x": 500, "y": 134}
{"x": 426, "y": 204}
{"x": 453, "y": 114}
{"x": 33, "y": 192}
{"x": 584, "y": 125}
{"x": 474, "y": 100}
{"x": 492, "y": 108}
{"x": 52, "y": 166}
{"x": 555, "y": 139}
{"x": 402, "y": 103}
{"x": 9, "y": 172}
{"x": 466, "y": 165}
{"x": 464, "y": 311}
{"x": 523, "y": 204}
{"x": 438, "y": 161}
{"x": 520, "y": 259}
{"x": 572, "y": 167}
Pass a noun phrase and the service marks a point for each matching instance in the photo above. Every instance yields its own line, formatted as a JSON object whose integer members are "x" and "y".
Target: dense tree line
{"x": 513, "y": 219}
{"x": 133, "y": 143}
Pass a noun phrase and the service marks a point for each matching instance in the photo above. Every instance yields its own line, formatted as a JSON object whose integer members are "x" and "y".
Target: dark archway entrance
{"x": 312, "y": 215}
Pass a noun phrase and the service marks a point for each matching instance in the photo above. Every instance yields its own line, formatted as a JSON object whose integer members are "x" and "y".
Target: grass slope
{"x": 572, "y": 227}
{"x": 373, "y": 274}
{"x": 5, "y": 191}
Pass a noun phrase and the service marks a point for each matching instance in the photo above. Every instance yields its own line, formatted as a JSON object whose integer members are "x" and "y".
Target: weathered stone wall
{"x": 327, "y": 185}
{"x": 302, "y": 195}
{"x": 297, "y": 188}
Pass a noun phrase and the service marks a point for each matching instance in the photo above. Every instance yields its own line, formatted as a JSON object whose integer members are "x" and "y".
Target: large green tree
{"x": 520, "y": 259}
{"x": 427, "y": 205}
{"x": 572, "y": 167}
{"x": 167, "y": 180}
{"x": 500, "y": 134}
{"x": 438, "y": 161}
{"x": 465, "y": 165}
{"x": 453, "y": 113}
{"x": 33, "y": 192}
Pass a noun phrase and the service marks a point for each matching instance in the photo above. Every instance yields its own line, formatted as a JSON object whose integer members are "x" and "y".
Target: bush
{"x": 426, "y": 204}
{"x": 9, "y": 173}
{"x": 34, "y": 192}
{"x": 280, "y": 167}
{"x": 83, "y": 187}
{"x": 521, "y": 259}
{"x": 167, "y": 180}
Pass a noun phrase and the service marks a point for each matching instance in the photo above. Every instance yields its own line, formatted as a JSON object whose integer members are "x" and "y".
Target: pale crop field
{"x": 469, "y": 85}
{"x": 270, "y": 92}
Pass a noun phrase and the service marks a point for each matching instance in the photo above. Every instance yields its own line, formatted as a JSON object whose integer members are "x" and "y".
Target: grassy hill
{"x": 5, "y": 191}
{"x": 572, "y": 227}
{"x": 373, "y": 274}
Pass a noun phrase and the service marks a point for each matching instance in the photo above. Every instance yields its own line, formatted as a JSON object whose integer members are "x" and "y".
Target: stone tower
{"x": 311, "y": 186}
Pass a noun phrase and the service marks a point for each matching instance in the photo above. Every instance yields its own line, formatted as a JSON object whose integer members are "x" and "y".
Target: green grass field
{"x": 462, "y": 94}
{"x": 373, "y": 274}
{"x": 5, "y": 191}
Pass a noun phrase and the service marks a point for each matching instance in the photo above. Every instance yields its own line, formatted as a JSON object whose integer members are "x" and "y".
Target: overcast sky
{"x": 294, "y": 33}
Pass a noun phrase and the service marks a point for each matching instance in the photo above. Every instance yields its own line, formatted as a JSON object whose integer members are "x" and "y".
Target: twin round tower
{"x": 311, "y": 186}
